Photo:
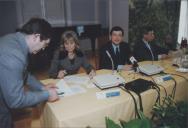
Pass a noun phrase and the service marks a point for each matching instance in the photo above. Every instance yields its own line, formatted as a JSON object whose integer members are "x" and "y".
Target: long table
{"x": 82, "y": 110}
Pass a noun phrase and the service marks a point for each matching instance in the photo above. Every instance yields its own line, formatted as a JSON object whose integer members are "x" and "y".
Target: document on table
{"x": 77, "y": 89}
{"x": 65, "y": 90}
{"x": 79, "y": 80}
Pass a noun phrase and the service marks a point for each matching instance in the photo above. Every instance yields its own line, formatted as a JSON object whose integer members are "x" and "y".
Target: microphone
{"x": 110, "y": 60}
{"x": 134, "y": 63}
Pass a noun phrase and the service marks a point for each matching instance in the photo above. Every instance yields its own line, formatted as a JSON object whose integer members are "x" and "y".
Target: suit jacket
{"x": 13, "y": 62}
{"x": 61, "y": 61}
{"x": 142, "y": 53}
{"x": 104, "y": 60}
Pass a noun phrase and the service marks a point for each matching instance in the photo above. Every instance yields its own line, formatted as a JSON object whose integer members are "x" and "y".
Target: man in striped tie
{"x": 145, "y": 49}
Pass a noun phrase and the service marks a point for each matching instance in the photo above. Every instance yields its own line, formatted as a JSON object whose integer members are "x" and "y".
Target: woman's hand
{"x": 61, "y": 74}
{"x": 92, "y": 74}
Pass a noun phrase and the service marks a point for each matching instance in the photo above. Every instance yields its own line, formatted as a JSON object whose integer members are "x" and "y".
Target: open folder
{"x": 104, "y": 81}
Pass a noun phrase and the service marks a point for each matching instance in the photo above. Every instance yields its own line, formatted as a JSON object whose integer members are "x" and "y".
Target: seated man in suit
{"x": 146, "y": 49}
{"x": 118, "y": 50}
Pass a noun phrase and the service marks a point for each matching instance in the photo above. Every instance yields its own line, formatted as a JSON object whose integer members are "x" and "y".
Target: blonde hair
{"x": 68, "y": 35}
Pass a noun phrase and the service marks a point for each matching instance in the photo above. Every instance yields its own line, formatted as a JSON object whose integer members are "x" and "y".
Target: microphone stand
{"x": 113, "y": 71}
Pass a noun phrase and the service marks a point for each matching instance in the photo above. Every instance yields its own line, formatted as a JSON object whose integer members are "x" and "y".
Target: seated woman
{"x": 68, "y": 58}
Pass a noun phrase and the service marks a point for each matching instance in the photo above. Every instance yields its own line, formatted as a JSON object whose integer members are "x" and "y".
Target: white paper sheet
{"x": 66, "y": 90}
{"x": 79, "y": 80}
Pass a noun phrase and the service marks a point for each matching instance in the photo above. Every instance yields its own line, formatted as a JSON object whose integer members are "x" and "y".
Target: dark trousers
{"x": 6, "y": 120}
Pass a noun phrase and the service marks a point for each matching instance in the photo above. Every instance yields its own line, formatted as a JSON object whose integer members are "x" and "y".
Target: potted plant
{"x": 170, "y": 114}
{"x": 142, "y": 122}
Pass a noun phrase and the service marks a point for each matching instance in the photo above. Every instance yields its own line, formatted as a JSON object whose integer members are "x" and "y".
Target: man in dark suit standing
{"x": 119, "y": 51}
{"x": 145, "y": 49}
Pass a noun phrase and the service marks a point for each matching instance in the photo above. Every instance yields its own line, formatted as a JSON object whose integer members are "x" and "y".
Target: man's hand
{"x": 127, "y": 67}
{"x": 49, "y": 85}
{"x": 51, "y": 88}
{"x": 164, "y": 56}
{"x": 53, "y": 96}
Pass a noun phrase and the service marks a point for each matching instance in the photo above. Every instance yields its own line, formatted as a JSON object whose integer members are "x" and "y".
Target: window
{"x": 183, "y": 21}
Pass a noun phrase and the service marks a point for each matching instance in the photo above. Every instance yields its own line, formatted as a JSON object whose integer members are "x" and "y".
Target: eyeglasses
{"x": 46, "y": 43}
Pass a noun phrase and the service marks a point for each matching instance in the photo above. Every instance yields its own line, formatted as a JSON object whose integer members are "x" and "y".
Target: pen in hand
{"x": 60, "y": 93}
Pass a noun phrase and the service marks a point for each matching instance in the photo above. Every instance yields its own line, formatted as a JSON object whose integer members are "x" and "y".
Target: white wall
{"x": 54, "y": 12}
{"x": 103, "y": 13}
{"x": 81, "y": 12}
{"x": 8, "y": 22}
{"x": 183, "y": 21}
{"x": 64, "y": 12}
{"x": 73, "y": 12}
{"x": 119, "y": 15}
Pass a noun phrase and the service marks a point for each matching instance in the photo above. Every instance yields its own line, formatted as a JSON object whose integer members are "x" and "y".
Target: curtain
{"x": 183, "y": 21}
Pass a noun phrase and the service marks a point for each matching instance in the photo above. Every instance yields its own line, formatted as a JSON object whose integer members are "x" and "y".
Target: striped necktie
{"x": 150, "y": 51}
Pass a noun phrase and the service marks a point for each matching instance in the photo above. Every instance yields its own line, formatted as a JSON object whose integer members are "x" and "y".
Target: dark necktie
{"x": 117, "y": 55}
